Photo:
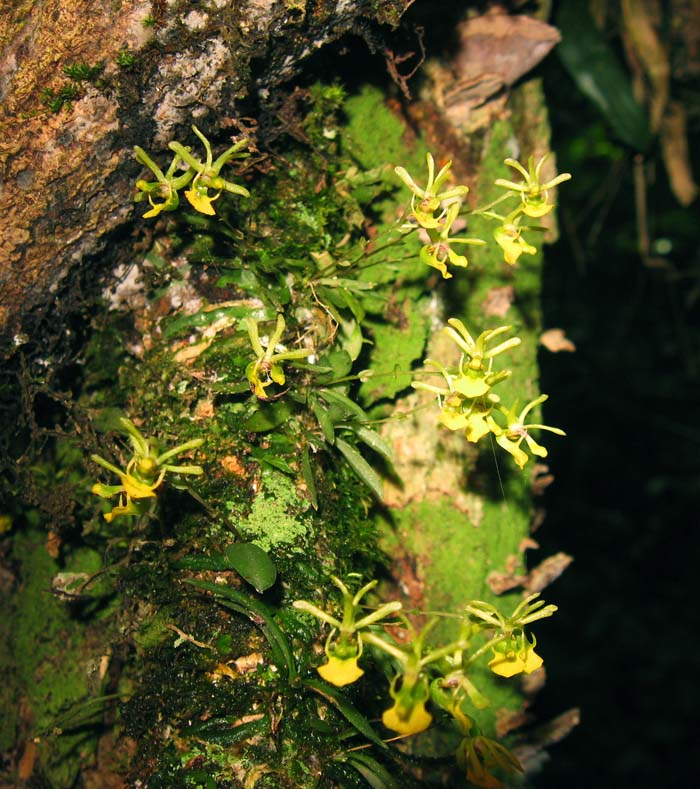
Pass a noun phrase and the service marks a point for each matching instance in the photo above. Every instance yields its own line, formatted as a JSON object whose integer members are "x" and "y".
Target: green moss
{"x": 51, "y": 684}
{"x": 277, "y": 520}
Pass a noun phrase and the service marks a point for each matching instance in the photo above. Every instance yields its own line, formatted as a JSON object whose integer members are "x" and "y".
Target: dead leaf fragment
{"x": 555, "y": 340}
{"x": 674, "y": 149}
{"x": 503, "y": 44}
{"x": 546, "y": 572}
{"x": 26, "y": 763}
{"x": 204, "y": 409}
{"x": 498, "y": 301}
{"x": 499, "y": 582}
{"x": 233, "y": 465}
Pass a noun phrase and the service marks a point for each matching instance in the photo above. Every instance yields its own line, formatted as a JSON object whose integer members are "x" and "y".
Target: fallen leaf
{"x": 546, "y": 572}
{"x": 555, "y": 340}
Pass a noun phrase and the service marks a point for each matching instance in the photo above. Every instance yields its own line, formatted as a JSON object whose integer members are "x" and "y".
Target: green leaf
{"x": 596, "y": 70}
{"x": 260, "y": 615}
{"x": 351, "y": 714}
{"x": 269, "y": 416}
{"x": 247, "y": 559}
{"x": 266, "y": 456}
{"x": 221, "y": 731}
{"x": 252, "y": 564}
{"x": 324, "y": 420}
{"x": 338, "y": 398}
{"x": 340, "y": 364}
{"x": 361, "y": 467}
{"x": 376, "y": 775}
{"x": 308, "y": 475}
{"x": 204, "y": 318}
{"x": 375, "y": 441}
{"x": 352, "y": 337}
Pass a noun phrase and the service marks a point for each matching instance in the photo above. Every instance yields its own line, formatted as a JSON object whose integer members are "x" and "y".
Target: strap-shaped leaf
{"x": 376, "y": 775}
{"x": 308, "y": 476}
{"x": 338, "y": 398}
{"x": 260, "y": 615}
{"x": 350, "y": 713}
{"x": 595, "y": 69}
{"x": 361, "y": 467}
{"x": 375, "y": 441}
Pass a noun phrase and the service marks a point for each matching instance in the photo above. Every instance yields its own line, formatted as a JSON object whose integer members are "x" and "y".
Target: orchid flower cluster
{"x": 468, "y": 403}
{"x": 143, "y": 474}
{"x": 436, "y": 677}
{"x": 436, "y": 212}
{"x": 201, "y": 176}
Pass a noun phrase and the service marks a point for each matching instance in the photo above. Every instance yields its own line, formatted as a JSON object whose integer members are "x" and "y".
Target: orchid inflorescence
{"x": 143, "y": 474}
{"x": 436, "y": 212}
{"x": 468, "y": 403}
{"x": 201, "y": 176}
{"x": 437, "y": 676}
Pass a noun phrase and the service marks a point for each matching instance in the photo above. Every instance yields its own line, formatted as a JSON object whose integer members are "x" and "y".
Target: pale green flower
{"x": 430, "y": 198}
{"x": 509, "y": 237}
{"x": 512, "y": 436}
{"x": 533, "y": 193}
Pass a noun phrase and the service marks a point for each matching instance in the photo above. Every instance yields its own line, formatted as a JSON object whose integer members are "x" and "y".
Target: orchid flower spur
{"x": 533, "y": 193}
{"x": 143, "y": 474}
{"x": 267, "y": 368}
{"x": 512, "y": 436}
{"x": 344, "y": 643}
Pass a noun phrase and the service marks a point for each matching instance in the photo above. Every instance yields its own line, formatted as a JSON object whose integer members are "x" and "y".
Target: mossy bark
{"x": 188, "y": 691}
{"x": 66, "y": 143}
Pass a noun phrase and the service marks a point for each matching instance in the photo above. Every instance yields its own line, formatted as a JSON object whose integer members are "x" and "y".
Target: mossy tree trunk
{"x": 134, "y": 675}
{"x": 82, "y": 82}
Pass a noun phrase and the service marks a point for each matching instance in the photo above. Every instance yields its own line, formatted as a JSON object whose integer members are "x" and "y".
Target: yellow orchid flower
{"x": 143, "y": 474}
{"x": 198, "y": 197}
{"x": 165, "y": 186}
{"x": 340, "y": 671}
{"x": 430, "y": 198}
{"x": 512, "y": 436}
{"x": 515, "y": 656}
{"x": 439, "y": 252}
{"x": 408, "y": 715}
{"x": 266, "y": 368}
{"x": 206, "y": 175}
{"x": 533, "y": 193}
{"x": 171, "y": 202}
{"x": 509, "y": 238}
{"x": 477, "y": 425}
{"x": 407, "y": 721}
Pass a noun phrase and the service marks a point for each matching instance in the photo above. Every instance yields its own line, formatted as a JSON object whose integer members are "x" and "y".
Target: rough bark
{"x": 66, "y": 175}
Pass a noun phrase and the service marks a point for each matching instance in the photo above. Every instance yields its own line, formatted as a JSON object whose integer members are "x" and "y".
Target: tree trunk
{"x": 137, "y": 668}
{"x": 66, "y": 136}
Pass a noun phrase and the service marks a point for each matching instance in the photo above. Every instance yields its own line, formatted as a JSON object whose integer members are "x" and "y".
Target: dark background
{"x": 624, "y": 646}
